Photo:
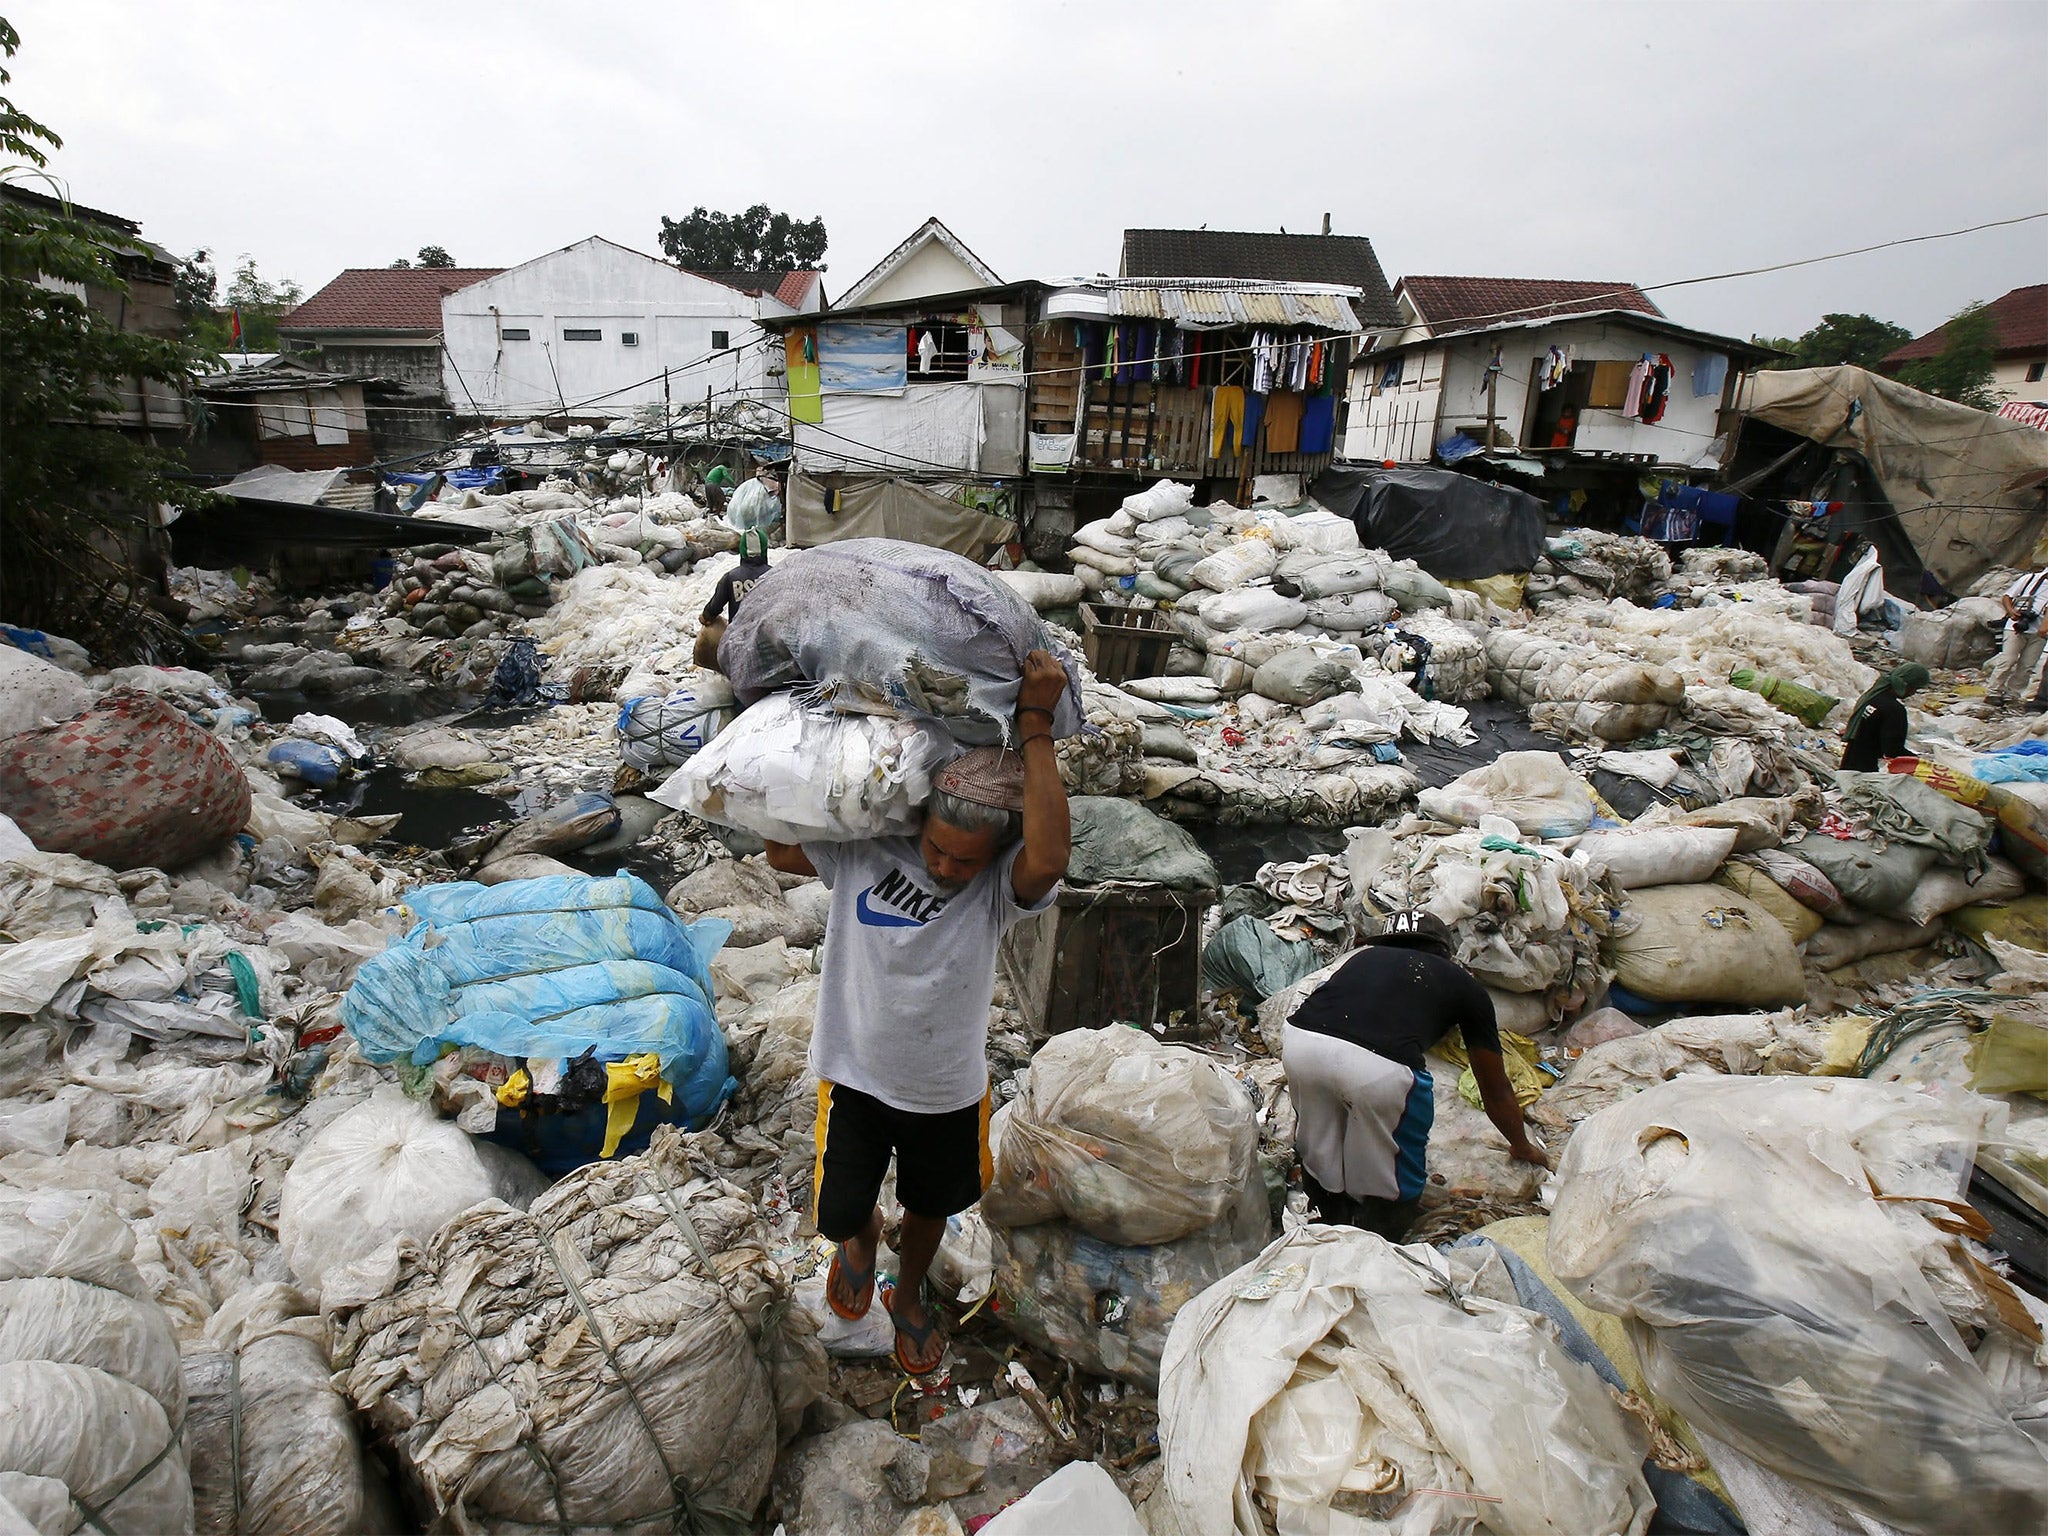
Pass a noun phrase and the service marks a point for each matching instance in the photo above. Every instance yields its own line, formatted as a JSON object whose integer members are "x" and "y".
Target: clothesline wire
{"x": 1549, "y": 308}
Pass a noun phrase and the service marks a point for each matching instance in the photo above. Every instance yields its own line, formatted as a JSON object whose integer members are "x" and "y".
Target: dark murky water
{"x": 1239, "y": 851}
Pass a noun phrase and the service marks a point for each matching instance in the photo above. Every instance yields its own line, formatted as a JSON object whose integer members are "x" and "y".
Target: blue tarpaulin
{"x": 549, "y": 969}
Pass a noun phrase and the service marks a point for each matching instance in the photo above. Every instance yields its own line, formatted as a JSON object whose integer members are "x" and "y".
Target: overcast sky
{"x": 1618, "y": 141}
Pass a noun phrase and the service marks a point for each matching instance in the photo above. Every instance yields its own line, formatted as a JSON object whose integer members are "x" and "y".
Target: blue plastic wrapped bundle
{"x": 550, "y": 969}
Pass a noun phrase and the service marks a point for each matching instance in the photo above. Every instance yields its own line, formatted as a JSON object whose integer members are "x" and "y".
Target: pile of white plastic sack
{"x": 1787, "y": 1257}
{"x": 625, "y": 1354}
{"x": 1126, "y": 1180}
{"x": 867, "y": 665}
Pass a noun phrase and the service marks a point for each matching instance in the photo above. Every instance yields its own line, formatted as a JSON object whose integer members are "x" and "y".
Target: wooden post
{"x": 1492, "y": 388}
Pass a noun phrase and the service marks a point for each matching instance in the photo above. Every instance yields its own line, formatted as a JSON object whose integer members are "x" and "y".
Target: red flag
{"x": 235, "y": 337}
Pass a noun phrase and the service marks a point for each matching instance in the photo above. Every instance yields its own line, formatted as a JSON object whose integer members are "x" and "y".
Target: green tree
{"x": 436, "y": 256}
{"x": 74, "y": 493}
{"x": 755, "y": 241}
{"x": 1967, "y": 363}
{"x": 1858, "y": 339}
{"x": 261, "y": 302}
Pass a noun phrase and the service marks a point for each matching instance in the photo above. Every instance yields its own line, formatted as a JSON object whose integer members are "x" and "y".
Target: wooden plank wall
{"x": 1139, "y": 429}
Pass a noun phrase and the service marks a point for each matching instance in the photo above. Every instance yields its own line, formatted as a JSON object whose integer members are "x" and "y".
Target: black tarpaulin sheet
{"x": 1453, "y": 526}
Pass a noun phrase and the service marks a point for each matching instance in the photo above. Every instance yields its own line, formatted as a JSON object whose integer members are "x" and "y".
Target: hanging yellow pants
{"x": 1226, "y": 419}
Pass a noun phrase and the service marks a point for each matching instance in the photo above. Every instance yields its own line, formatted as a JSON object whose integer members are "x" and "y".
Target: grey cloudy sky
{"x": 1611, "y": 141}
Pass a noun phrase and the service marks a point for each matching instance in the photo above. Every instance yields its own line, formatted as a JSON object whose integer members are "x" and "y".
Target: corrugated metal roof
{"x": 1213, "y": 303}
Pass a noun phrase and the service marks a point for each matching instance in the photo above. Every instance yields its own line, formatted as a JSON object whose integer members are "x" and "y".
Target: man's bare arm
{"x": 1048, "y": 828}
{"x": 790, "y": 859}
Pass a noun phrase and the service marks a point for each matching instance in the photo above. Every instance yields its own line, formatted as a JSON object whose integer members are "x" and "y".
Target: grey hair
{"x": 970, "y": 816}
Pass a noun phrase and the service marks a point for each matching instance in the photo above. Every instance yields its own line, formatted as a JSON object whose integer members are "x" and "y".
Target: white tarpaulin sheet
{"x": 927, "y": 427}
{"x": 1966, "y": 485}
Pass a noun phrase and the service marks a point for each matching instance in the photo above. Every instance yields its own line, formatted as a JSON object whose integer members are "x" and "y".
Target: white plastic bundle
{"x": 90, "y": 1396}
{"x": 793, "y": 775}
{"x": 1165, "y": 499}
{"x": 1335, "y": 1363}
{"x": 1247, "y": 560}
{"x": 387, "y": 1169}
{"x": 1323, "y": 530}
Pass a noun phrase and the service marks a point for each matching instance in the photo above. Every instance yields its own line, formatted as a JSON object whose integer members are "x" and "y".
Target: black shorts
{"x": 942, "y": 1161}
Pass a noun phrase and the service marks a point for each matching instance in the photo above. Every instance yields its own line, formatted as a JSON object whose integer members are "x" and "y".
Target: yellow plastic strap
{"x": 513, "y": 1093}
{"x": 625, "y": 1081}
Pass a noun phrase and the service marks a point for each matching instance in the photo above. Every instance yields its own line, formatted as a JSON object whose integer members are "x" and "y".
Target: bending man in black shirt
{"x": 1363, "y": 1101}
{"x": 1877, "y": 721}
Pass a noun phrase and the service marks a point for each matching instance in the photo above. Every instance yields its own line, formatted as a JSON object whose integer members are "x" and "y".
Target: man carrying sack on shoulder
{"x": 901, "y": 1037}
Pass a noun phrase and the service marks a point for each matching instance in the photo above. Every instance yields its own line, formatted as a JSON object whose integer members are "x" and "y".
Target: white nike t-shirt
{"x": 909, "y": 974}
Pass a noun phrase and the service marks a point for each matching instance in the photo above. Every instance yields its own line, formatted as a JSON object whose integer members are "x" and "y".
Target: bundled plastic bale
{"x": 792, "y": 775}
{"x": 1044, "y": 590}
{"x": 34, "y": 691}
{"x": 388, "y": 1169}
{"x": 550, "y": 969}
{"x": 1134, "y": 1141}
{"x": 1904, "y": 808}
{"x": 867, "y": 622}
{"x": 273, "y": 1444}
{"x": 1534, "y": 790}
{"x": 130, "y": 781}
{"x": 1108, "y": 1307}
{"x": 1165, "y": 498}
{"x": 73, "y": 1438}
{"x": 1757, "y": 823}
{"x": 668, "y": 732}
{"x": 1245, "y": 561}
{"x": 1637, "y": 857}
{"x": 1260, "y": 610}
{"x": 1942, "y": 891}
{"x": 1801, "y": 880}
{"x": 1799, "y": 921}
{"x": 1839, "y": 944}
{"x": 90, "y": 1395}
{"x": 1965, "y": 634}
{"x": 1702, "y": 944}
{"x": 1246, "y": 956}
{"x": 1303, "y": 676}
{"x": 1781, "y": 1252}
{"x": 1353, "y": 613}
{"x": 1453, "y": 669}
{"x": 2024, "y": 826}
{"x": 1874, "y": 876}
{"x": 1585, "y": 695}
{"x": 1337, "y": 1361}
{"x": 625, "y": 1356}
{"x": 1116, "y": 840}
{"x": 72, "y": 1295}
{"x": 1321, "y": 577}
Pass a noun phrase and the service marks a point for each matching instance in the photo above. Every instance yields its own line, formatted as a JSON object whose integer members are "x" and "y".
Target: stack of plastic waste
{"x": 1126, "y": 1180}
{"x": 567, "y": 1017}
{"x": 1589, "y": 562}
{"x": 91, "y": 1402}
{"x": 794, "y": 774}
{"x": 1527, "y": 917}
{"x": 865, "y": 666}
{"x": 1338, "y": 1377}
{"x": 1779, "y": 1244}
{"x": 1581, "y": 694}
{"x": 273, "y": 1444}
{"x": 625, "y": 1354}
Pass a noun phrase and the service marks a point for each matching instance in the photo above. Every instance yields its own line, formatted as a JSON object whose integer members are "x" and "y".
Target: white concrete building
{"x": 595, "y": 329}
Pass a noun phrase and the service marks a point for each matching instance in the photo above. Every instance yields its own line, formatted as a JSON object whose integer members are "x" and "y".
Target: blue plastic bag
{"x": 314, "y": 761}
{"x": 550, "y": 968}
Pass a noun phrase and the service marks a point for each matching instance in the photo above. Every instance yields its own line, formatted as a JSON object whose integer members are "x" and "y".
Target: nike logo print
{"x": 875, "y": 919}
